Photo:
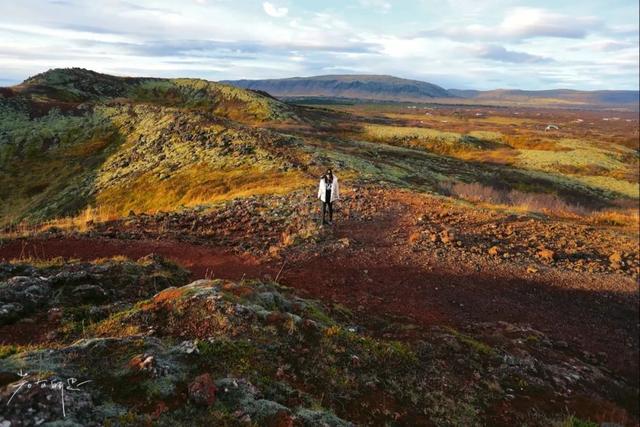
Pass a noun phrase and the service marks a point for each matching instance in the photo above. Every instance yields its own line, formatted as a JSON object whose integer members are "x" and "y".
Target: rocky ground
{"x": 269, "y": 225}
{"x": 424, "y": 320}
{"x": 252, "y": 353}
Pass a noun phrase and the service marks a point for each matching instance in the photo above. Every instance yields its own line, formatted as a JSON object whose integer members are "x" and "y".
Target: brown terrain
{"x": 417, "y": 259}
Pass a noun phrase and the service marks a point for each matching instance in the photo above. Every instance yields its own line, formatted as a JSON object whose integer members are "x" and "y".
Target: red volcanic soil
{"x": 202, "y": 261}
{"x": 379, "y": 274}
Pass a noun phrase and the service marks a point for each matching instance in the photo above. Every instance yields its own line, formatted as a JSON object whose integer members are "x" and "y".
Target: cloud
{"x": 276, "y": 12}
{"x": 527, "y": 22}
{"x": 381, "y": 6}
{"x": 499, "y": 53}
{"x": 484, "y": 46}
{"x": 203, "y": 48}
{"x": 609, "y": 45}
{"x": 523, "y": 23}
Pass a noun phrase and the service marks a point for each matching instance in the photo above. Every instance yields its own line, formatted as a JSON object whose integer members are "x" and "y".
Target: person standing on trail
{"x": 328, "y": 192}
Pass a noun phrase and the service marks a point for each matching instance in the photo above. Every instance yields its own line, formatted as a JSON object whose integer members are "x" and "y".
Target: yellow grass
{"x": 196, "y": 185}
{"x": 607, "y": 183}
{"x": 622, "y": 218}
{"x": 80, "y": 223}
{"x": 387, "y": 132}
{"x": 83, "y": 221}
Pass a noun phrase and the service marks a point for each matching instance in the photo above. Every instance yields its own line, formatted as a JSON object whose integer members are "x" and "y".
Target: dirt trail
{"x": 379, "y": 274}
{"x": 202, "y": 261}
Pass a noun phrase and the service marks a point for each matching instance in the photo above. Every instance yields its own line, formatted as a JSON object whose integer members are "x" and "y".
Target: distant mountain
{"x": 368, "y": 87}
{"x": 395, "y": 89}
{"x": 621, "y": 98}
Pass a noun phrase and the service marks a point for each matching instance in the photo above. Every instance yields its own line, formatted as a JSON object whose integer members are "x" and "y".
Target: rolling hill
{"x": 72, "y": 138}
{"x": 622, "y": 98}
{"x": 393, "y": 89}
{"x": 369, "y": 87}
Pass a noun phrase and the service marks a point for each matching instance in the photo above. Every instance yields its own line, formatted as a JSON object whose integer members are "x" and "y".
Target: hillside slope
{"x": 371, "y": 87}
{"x": 74, "y": 138}
{"x": 75, "y": 85}
{"x": 602, "y": 98}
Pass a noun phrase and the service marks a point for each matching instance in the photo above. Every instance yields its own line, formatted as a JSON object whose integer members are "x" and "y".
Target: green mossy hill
{"x": 70, "y": 139}
{"x": 76, "y": 85}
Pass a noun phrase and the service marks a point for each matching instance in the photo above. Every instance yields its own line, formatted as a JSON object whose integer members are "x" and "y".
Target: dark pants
{"x": 328, "y": 204}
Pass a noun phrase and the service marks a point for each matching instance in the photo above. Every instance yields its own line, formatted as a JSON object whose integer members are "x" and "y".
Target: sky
{"x": 464, "y": 44}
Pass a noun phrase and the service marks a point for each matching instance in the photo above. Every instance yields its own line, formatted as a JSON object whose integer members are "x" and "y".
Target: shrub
{"x": 536, "y": 202}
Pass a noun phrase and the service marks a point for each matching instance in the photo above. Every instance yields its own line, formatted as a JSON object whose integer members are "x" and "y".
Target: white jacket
{"x": 335, "y": 190}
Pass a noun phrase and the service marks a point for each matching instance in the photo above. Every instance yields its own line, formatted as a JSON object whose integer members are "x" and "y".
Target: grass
{"x": 477, "y": 346}
{"x": 626, "y": 214}
{"x": 573, "y": 421}
{"x": 80, "y": 223}
{"x": 196, "y": 185}
{"x": 7, "y": 350}
{"x": 86, "y": 160}
{"x": 611, "y": 185}
{"x": 621, "y": 217}
{"x": 389, "y": 132}
{"x": 167, "y": 148}
{"x": 57, "y": 173}
{"x": 224, "y": 100}
{"x": 235, "y": 356}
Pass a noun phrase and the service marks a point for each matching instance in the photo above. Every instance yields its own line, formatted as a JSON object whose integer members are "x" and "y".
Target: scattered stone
{"x": 89, "y": 293}
{"x": 142, "y": 362}
{"x": 615, "y": 260}
{"x": 188, "y": 347}
{"x": 447, "y": 235}
{"x": 547, "y": 255}
{"x": 202, "y": 390}
{"x": 10, "y": 312}
{"x": 494, "y": 251}
{"x": 344, "y": 242}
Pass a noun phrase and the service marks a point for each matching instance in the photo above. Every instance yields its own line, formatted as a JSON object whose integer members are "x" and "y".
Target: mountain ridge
{"x": 373, "y": 87}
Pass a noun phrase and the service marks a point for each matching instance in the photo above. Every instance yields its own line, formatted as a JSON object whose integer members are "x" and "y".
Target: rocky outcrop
{"x": 26, "y": 291}
{"x": 236, "y": 353}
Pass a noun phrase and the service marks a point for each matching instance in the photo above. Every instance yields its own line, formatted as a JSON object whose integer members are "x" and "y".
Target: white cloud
{"x": 499, "y": 53}
{"x": 507, "y": 47}
{"x": 381, "y": 6}
{"x": 609, "y": 45}
{"x": 276, "y": 12}
{"x": 525, "y": 23}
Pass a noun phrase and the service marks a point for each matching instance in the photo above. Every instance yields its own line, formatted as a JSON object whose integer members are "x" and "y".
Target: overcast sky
{"x": 481, "y": 44}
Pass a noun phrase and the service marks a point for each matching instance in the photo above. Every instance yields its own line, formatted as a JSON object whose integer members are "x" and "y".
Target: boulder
{"x": 89, "y": 293}
{"x": 202, "y": 390}
{"x": 10, "y": 312}
{"x": 615, "y": 260}
{"x": 447, "y": 235}
{"x": 547, "y": 255}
